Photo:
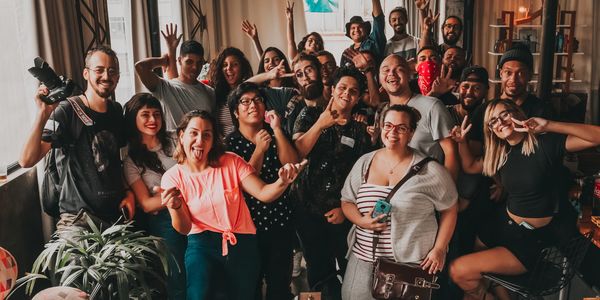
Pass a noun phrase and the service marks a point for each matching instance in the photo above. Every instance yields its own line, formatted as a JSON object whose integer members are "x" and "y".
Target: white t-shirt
{"x": 179, "y": 98}
{"x": 406, "y": 47}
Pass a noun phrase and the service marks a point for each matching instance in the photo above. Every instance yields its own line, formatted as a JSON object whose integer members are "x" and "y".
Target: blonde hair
{"x": 497, "y": 149}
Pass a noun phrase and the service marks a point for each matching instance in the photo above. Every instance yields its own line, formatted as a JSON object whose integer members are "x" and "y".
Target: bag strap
{"x": 414, "y": 170}
{"x": 85, "y": 119}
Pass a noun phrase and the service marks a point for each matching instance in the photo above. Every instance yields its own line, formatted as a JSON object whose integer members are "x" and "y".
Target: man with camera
{"x": 85, "y": 135}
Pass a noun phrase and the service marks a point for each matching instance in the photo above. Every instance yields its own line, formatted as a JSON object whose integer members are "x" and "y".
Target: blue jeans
{"x": 204, "y": 259}
{"x": 160, "y": 225}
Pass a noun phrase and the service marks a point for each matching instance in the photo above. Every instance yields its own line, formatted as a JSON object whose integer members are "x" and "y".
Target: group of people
{"x": 216, "y": 166}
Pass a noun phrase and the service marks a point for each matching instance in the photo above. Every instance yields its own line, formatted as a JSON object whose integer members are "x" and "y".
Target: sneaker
{"x": 297, "y": 264}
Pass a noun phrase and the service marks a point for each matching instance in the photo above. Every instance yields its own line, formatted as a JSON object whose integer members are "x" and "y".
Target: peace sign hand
{"x": 289, "y": 10}
{"x": 533, "y": 125}
{"x": 430, "y": 20}
{"x": 459, "y": 134}
{"x": 444, "y": 83}
{"x": 279, "y": 72}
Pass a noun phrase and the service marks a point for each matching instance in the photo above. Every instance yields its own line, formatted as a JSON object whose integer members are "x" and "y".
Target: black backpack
{"x": 52, "y": 183}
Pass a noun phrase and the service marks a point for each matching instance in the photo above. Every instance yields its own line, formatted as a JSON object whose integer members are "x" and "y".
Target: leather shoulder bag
{"x": 404, "y": 281}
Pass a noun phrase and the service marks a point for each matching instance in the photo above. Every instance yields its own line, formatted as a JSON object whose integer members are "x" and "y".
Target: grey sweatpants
{"x": 357, "y": 280}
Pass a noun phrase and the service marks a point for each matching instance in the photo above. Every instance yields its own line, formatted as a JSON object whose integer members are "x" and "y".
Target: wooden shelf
{"x": 537, "y": 53}
{"x": 532, "y": 26}
{"x": 534, "y": 81}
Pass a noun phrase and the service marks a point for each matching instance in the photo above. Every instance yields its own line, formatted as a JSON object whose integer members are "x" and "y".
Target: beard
{"x": 469, "y": 108}
{"x": 401, "y": 29}
{"x": 450, "y": 41}
{"x": 312, "y": 90}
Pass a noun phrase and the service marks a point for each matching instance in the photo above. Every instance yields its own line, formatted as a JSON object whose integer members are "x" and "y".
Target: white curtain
{"x": 224, "y": 19}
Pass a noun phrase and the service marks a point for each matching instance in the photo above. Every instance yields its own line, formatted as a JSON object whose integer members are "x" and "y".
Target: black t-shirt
{"x": 271, "y": 215}
{"x": 330, "y": 161}
{"x": 88, "y": 159}
{"x": 533, "y": 182}
{"x": 532, "y": 106}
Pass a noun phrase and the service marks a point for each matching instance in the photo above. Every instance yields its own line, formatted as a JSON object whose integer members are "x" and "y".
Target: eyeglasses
{"x": 305, "y": 72}
{"x": 400, "y": 128}
{"x": 100, "y": 71}
{"x": 502, "y": 117}
{"x": 256, "y": 100}
{"x": 452, "y": 26}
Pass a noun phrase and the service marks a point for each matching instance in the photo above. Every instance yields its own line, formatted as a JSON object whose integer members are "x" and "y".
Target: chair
{"x": 553, "y": 270}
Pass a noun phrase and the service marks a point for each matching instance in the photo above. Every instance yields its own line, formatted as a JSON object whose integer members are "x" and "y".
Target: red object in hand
{"x": 267, "y": 118}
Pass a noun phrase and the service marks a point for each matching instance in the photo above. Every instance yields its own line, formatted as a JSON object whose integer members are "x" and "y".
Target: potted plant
{"x": 116, "y": 263}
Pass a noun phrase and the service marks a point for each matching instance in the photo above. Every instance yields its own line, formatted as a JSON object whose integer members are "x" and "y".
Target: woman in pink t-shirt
{"x": 203, "y": 193}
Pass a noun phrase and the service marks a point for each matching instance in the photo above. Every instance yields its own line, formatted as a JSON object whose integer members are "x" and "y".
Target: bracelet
{"x": 178, "y": 207}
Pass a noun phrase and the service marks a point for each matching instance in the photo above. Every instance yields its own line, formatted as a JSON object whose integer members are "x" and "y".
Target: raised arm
{"x": 275, "y": 73}
{"x": 35, "y": 149}
{"x": 579, "y": 136}
{"x": 427, "y": 23}
{"x": 252, "y": 32}
{"x": 377, "y": 9}
{"x": 305, "y": 141}
{"x": 362, "y": 63}
{"x": 253, "y": 185}
{"x": 291, "y": 40}
{"x": 470, "y": 164}
{"x": 285, "y": 151}
{"x": 172, "y": 41}
{"x": 144, "y": 69}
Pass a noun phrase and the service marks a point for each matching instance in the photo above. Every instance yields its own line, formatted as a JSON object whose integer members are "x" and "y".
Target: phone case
{"x": 382, "y": 207}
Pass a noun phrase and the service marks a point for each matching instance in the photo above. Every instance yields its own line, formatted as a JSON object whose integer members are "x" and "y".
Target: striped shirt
{"x": 367, "y": 196}
{"x": 224, "y": 120}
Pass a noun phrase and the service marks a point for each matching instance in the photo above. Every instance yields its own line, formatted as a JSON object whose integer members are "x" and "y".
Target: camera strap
{"x": 413, "y": 171}
{"x": 85, "y": 119}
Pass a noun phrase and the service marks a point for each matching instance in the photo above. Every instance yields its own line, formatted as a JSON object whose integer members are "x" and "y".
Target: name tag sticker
{"x": 348, "y": 141}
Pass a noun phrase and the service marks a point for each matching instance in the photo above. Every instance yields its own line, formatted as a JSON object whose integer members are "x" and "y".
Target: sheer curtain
{"x": 224, "y": 19}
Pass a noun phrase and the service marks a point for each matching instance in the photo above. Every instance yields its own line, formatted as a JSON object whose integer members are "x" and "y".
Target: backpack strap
{"x": 85, "y": 119}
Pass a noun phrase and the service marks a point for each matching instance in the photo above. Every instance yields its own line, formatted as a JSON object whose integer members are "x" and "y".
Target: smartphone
{"x": 124, "y": 214}
{"x": 382, "y": 207}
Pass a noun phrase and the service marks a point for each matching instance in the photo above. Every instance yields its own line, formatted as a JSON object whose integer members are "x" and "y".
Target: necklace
{"x": 394, "y": 167}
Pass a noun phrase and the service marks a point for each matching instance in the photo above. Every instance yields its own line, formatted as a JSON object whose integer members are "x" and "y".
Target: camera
{"x": 60, "y": 87}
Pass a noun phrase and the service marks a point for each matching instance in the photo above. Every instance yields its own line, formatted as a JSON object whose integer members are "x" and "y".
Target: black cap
{"x": 358, "y": 20}
{"x": 518, "y": 52}
{"x": 479, "y": 72}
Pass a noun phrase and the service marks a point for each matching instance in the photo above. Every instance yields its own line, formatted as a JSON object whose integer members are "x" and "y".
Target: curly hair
{"x": 318, "y": 38}
{"x": 138, "y": 151}
{"x": 217, "y": 78}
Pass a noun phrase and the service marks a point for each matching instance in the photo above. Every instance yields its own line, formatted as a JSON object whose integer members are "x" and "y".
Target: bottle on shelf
{"x": 596, "y": 195}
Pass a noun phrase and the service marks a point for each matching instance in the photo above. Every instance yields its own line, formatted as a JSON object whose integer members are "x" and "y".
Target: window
{"x": 17, "y": 109}
{"x": 119, "y": 12}
{"x": 332, "y": 26}
{"x": 169, "y": 11}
